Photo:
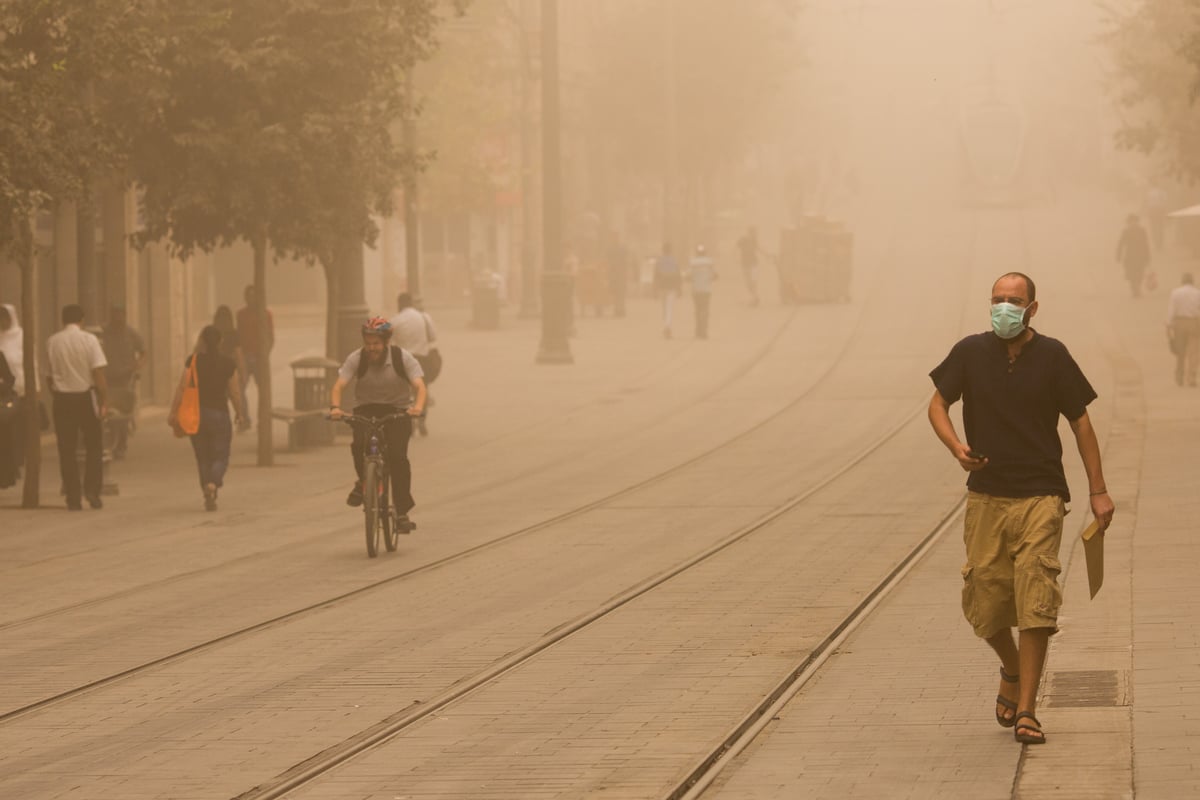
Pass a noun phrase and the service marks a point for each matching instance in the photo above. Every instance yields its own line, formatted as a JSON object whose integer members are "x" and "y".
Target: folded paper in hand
{"x": 1093, "y": 551}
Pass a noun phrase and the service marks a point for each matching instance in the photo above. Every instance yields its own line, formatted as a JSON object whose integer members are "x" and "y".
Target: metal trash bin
{"x": 312, "y": 378}
{"x": 485, "y": 305}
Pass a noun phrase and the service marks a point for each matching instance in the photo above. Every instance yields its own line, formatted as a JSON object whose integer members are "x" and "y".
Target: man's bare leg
{"x": 1034, "y": 643}
{"x": 1012, "y": 663}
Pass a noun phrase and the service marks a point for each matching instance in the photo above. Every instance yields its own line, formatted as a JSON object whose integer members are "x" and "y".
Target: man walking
{"x": 255, "y": 343}
{"x": 1183, "y": 328}
{"x": 1133, "y": 253}
{"x": 414, "y": 332}
{"x": 1014, "y": 383}
{"x": 702, "y": 275}
{"x": 125, "y": 352}
{"x": 80, "y": 393}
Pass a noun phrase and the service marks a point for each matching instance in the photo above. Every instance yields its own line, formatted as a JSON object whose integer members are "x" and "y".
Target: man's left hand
{"x": 1102, "y": 509}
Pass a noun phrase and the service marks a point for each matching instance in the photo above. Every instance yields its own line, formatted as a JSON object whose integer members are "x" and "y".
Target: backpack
{"x": 397, "y": 364}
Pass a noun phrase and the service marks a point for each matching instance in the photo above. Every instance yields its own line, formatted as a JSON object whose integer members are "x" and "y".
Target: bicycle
{"x": 379, "y": 514}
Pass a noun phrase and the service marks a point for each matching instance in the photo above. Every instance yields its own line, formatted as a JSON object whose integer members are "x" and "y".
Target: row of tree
{"x": 1155, "y": 47}
{"x": 272, "y": 122}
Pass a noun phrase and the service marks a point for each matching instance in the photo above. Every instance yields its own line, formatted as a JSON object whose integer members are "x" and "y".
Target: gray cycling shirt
{"x": 380, "y": 384}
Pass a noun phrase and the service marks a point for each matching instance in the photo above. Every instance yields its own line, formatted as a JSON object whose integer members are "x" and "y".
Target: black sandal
{"x": 1028, "y": 738}
{"x": 1001, "y": 700}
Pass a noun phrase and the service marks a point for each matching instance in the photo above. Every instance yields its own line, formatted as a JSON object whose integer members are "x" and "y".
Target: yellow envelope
{"x": 1093, "y": 551}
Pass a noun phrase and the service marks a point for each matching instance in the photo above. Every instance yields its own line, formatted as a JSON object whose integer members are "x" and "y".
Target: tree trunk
{"x": 85, "y": 260}
{"x": 331, "y": 311}
{"x": 31, "y": 490}
{"x": 266, "y": 443}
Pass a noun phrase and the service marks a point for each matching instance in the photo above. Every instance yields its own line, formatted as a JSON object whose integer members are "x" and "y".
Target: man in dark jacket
{"x": 1133, "y": 252}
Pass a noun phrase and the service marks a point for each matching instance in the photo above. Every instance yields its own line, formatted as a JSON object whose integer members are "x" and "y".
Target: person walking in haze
{"x": 748, "y": 253}
{"x": 231, "y": 348}
{"x": 255, "y": 344}
{"x": 218, "y": 385}
{"x": 667, "y": 281}
{"x": 12, "y": 431}
{"x": 1183, "y": 328}
{"x": 126, "y": 352}
{"x": 1133, "y": 253}
{"x": 413, "y": 330}
{"x": 388, "y": 380}
{"x": 1014, "y": 384}
{"x": 80, "y": 400}
{"x": 702, "y": 274}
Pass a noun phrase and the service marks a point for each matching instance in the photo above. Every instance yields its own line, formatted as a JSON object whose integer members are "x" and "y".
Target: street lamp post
{"x": 412, "y": 220}
{"x": 557, "y": 283}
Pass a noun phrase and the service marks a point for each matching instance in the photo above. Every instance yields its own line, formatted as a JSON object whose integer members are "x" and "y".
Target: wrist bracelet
{"x": 1102, "y": 491}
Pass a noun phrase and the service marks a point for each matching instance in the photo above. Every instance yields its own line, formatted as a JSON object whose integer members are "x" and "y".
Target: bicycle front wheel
{"x": 371, "y": 506}
{"x": 387, "y": 516}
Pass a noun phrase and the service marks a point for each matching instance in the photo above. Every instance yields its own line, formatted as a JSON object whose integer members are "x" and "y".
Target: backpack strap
{"x": 397, "y": 364}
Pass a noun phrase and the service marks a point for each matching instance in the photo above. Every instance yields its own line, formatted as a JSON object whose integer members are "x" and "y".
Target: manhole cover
{"x": 1087, "y": 689}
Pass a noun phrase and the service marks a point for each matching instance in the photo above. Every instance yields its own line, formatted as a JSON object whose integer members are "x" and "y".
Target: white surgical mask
{"x": 1008, "y": 320}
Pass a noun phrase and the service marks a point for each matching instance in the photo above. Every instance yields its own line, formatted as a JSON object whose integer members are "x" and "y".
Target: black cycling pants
{"x": 397, "y": 432}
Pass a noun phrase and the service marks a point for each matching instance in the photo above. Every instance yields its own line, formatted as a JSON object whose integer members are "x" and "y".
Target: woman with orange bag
{"x": 208, "y": 384}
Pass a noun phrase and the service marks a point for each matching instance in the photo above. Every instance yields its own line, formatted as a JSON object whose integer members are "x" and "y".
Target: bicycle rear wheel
{"x": 387, "y": 517}
{"x": 371, "y": 506}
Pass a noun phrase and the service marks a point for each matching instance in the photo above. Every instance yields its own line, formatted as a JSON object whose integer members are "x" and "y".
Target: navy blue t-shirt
{"x": 1010, "y": 411}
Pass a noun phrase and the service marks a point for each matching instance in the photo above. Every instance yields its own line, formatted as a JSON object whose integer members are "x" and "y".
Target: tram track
{"x": 349, "y": 748}
{"x": 315, "y": 607}
{"x": 547, "y": 466}
{"x": 394, "y": 725}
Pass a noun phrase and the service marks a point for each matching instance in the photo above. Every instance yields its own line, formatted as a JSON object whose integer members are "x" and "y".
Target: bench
{"x": 290, "y": 416}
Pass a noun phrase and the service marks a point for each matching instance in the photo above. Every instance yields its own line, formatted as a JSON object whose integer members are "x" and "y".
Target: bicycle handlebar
{"x": 353, "y": 419}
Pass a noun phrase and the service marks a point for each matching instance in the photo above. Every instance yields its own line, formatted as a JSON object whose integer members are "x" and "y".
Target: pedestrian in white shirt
{"x": 1183, "y": 328}
{"x": 414, "y": 332}
{"x": 80, "y": 393}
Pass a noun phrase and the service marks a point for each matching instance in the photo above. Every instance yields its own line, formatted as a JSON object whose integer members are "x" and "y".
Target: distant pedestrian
{"x": 1183, "y": 328}
{"x": 702, "y": 274}
{"x": 80, "y": 395}
{"x": 231, "y": 348}
{"x": 413, "y": 330}
{"x": 616, "y": 259}
{"x": 217, "y": 382}
{"x": 1015, "y": 384}
{"x": 12, "y": 392}
{"x": 125, "y": 352}
{"x": 748, "y": 252}
{"x": 255, "y": 344}
{"x": 1133, "y": 253}
{"x": 668, "y": 281}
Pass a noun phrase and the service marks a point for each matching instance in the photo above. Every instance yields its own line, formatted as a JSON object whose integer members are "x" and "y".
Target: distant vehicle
{"x": 992, "y": 133}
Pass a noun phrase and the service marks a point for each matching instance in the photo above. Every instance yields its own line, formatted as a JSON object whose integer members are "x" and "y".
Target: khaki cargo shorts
{"x": 1011, "y": 575}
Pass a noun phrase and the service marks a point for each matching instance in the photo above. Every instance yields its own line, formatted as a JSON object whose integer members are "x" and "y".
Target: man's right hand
{"x": 336, "y": 413}
{"x": 967, "y": 462}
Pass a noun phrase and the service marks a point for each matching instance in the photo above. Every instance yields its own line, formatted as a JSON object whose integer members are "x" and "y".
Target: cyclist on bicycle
{"x": 386, "y": 380}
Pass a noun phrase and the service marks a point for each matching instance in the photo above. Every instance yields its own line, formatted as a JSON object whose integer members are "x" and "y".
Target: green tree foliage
{"x": 273, "y": 127}
{"x": 1155, "y": 48}
{"x": 68, "y": 72}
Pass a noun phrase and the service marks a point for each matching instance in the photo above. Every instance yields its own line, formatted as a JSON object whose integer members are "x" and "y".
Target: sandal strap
{"x": 1026, "y": 715}
{"x": 1001, "y": 700}
{"x": 1004, "y": 676}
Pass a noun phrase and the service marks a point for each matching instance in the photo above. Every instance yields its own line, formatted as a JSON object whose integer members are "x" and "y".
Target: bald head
{"x": 1011, "y": 279}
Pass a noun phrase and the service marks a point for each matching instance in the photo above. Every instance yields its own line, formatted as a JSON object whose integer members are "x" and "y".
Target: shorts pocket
{"x": 1047, "y": 594}
{"x": 970, "y": 602}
